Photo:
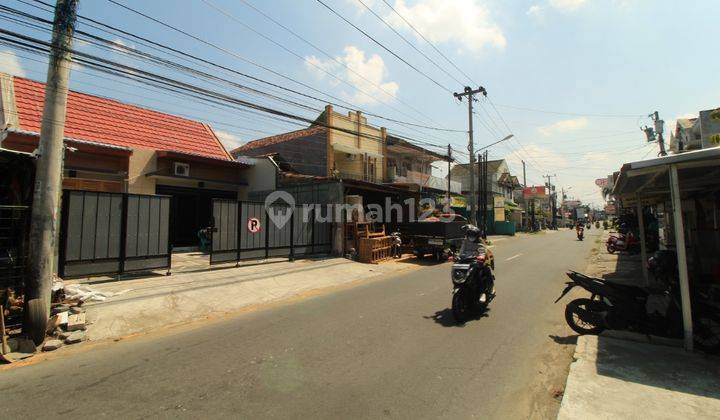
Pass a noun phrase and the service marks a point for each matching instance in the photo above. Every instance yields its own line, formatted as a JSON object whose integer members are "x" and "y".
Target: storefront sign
{"x": 500, "y": 215}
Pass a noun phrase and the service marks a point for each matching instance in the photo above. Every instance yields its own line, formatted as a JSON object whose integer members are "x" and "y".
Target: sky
{"x": 572, "y": 80}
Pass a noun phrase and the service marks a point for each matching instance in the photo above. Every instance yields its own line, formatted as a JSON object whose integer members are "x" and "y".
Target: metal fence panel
{"x": 13, "y": 244}
{"x": 111, "y": 233}
{"x": 225, "y": 232}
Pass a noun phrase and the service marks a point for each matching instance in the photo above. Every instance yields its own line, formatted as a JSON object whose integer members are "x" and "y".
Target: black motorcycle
{"x": 473, "y": 280}
{"x": 580, "y": 234}
{"x": 616, "y": 306}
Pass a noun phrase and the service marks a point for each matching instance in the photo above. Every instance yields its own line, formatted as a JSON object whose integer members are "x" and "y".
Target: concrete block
{"x": 77, "y": 310}
{"x": 76, "y": 322}
{"x": 51, "y": 345}
{"x": 56, "y": 309}
{"x": 75, "y": 337}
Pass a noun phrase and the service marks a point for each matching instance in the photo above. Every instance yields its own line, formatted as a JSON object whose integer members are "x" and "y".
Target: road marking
{"x": 513, "y": 257}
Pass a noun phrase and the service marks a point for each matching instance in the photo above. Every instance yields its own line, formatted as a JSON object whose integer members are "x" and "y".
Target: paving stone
{"x": 51, "y": 345}
{"x": 75, "y": 337}
{"x": 59, "y": 308}
{"x": 76, "y": 322}
{"x": 77, "y": 310}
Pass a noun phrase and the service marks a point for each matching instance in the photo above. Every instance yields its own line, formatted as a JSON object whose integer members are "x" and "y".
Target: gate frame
{"x": 266, "y": 227}
{"x": 122, "y": 255}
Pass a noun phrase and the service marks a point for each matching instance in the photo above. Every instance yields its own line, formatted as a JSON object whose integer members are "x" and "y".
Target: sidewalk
{"x": 627, "y": 375}
{"x": 620, "y": 379}
{"x": 141, "y": 305}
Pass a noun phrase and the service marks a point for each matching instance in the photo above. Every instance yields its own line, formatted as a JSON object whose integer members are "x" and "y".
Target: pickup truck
{"x": 433, "y": 236}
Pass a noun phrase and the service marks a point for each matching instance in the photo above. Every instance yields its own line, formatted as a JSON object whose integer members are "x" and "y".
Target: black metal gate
{"x": 113, "y": 233}
{"x": 13, "y": 244}
{"x": 248, "y": 230}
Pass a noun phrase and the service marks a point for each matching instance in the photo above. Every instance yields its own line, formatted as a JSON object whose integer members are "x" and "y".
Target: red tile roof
{"x": 280, "y": 138}
{"x": 111, "y": 122}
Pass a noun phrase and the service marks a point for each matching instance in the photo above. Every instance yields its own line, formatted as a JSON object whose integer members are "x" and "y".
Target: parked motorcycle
{"x": 472, "y": 277}
{"x": 616, "y": 306}
{"x": 621, "y": 242}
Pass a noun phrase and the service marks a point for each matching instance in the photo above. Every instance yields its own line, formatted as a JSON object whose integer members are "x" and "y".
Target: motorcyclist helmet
{"x": 472, "y": 232}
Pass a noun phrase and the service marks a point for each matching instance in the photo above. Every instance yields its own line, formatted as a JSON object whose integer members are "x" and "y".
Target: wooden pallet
{"x": 374, "y": 250}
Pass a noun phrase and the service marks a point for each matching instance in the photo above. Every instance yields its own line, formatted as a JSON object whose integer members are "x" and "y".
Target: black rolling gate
{"x": 113, "y": 233}
{"x": 244, "y": 230}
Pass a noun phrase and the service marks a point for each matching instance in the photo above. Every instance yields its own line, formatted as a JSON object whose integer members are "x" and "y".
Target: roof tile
{"x": 111, "y": 122}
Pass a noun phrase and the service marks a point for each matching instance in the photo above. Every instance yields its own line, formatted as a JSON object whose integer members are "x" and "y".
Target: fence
{"x": 246, "y": 230}
{"x": 13, "y": 244}
{"x": 113, "y": 233}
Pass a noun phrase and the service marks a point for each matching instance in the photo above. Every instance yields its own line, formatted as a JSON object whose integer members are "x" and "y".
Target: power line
{"x": 167, "y": 83}
{"x": 203, "y": 61}
{"x": 381, "y": 45}
{"x": 325, "y": 53}
{"x": 430, "y": 43}
{"x": 409, "y": 43}
{"x": 570, "y": 113}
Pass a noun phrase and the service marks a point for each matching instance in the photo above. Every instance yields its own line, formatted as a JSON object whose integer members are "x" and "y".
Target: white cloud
{"x": 534, "y": 10}
{"x": 10, "y": 64}
{"x": 368, "y": 74}
{"x": 566, "y": 5}
{"x": 118, "y": 48}
{"x": 465, "y": 22}
{"x": 564, "y": 126}
{"x": 229, "y": 140}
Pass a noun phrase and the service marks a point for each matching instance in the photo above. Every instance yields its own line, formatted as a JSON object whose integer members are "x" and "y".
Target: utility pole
{"x": 485, "y": 194}
{"x": 447, "y": 203}
{"x": 659, "y": 131}
{"x": 45, "y": 218}
{"x": 553, "y": 196}
{"x": 523, "y": 196}
{"x": 470, "y": 93}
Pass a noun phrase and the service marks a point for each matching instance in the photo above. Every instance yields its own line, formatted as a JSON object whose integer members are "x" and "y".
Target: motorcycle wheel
{"x": 611, "y": 248}
{"x": 460, "y": 307}
{"x": 573, "y": 319}
{"x": 706, "y": 334}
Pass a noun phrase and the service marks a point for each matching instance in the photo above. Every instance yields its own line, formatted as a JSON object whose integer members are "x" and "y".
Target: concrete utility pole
{"x": 447, "y": 202}
{"x": 470, "y": 93}
{"x": 45, "y": 218}
{"x": 659, "y": 131}
{"x": 553, "y": 204}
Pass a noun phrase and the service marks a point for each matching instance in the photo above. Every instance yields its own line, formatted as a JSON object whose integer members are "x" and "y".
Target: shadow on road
{"x": 570, "y": 339}
{"x": 446, "y": 319}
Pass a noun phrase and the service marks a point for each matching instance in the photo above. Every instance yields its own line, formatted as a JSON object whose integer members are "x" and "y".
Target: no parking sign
{"x": 253, "y": 225}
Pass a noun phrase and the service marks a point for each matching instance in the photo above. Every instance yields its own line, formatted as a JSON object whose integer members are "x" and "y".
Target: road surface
{"x": 384, "y": 349}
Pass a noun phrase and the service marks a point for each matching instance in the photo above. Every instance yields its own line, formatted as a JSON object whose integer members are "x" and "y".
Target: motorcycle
{"x": 621, "y": 242}
{"x": 616, "y": 306}
{"x": 473, "y": 280}
{"x": 580, "y": 233}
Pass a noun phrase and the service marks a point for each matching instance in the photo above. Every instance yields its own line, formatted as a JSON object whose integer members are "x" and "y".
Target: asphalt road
{"x": 387, "y": 348}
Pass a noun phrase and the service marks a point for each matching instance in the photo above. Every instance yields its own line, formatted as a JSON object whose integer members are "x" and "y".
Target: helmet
{"x": 471, "y": 232}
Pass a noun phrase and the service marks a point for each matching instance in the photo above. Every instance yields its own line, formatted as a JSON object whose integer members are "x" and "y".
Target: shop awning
{"x": 649, "y": 178}
{"x": 670, "y": 177}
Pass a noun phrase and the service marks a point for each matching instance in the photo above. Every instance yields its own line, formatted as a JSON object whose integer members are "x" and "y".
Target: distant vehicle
{"x": 472, "y": 276}
{"x": 439, "y": 236}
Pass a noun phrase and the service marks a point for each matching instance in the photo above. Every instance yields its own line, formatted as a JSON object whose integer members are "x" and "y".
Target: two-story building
{"x": 501, "y": 190}
{"x": 368, "y": 161}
